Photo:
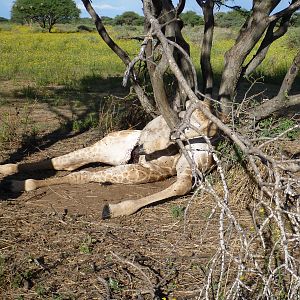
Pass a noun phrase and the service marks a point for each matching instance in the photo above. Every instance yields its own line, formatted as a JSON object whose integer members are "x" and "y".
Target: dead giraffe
{"x": 159, "y": 158}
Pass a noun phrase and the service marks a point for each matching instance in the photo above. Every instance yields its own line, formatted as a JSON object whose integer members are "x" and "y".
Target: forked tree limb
{"x": 169, "y": 22}
{"x": 249, "y": 36}
{"x": 282, "y": 100}
{"x": 145, "y": 101}
{"x": 290, "y": 9}
{"x": 269, "y": 38}
{"x": 180, "y": 7}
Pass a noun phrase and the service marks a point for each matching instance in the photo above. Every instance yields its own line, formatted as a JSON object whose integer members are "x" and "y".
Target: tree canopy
{"x": 191, "y": 18}
{"x": 129, "y": 18}
{"x": 233, "y": 18}
{"x": 46, "y": 13}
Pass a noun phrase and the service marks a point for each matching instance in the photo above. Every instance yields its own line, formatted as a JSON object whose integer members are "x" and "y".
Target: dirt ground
{"x": 54, "y": 245}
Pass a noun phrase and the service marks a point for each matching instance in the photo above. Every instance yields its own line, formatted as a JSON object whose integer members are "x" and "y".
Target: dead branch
{"x": 282, "y": 100}
{"x": 146, "y": 103}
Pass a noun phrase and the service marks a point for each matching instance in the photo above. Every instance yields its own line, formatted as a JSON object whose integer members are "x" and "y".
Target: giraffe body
{"x": 160, "y": 158}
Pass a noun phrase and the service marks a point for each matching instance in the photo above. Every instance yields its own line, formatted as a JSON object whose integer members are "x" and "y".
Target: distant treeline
{"x": 234, "y": 18}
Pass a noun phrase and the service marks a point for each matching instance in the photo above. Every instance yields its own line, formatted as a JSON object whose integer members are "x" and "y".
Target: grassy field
{"x": 57, "y": 58}
{"x": 76, "y": 68}
{"x": 68, "y": 58}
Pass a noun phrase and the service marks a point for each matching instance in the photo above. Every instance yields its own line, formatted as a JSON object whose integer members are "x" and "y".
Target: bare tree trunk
{"x": 269, "y": 38}
{"x": 157, "y": 70}
{"x": 249, "y": 35}
{"x": 145, "y": 102}
{"x": 171, "y": 26}
{"x": 205, "y": 58}
{"x": 282, "y": 100}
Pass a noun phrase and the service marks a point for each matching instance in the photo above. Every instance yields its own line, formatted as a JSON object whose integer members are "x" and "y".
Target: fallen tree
{"x": 262, "y": 262}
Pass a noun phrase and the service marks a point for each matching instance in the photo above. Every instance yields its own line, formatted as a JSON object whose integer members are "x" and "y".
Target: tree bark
{"x": 145, "y": 102}
{"x": 249, "y": 35}
{"x": 205, "y": 57}
{"x": 269, "y": 38}
{"x": 282, "y": 100}
{"x": 156, "y": 71}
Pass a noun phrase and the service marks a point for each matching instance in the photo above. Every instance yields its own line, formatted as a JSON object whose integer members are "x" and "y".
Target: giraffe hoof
{"x": 17, "y": 186}
{"x": 106, "y": 213}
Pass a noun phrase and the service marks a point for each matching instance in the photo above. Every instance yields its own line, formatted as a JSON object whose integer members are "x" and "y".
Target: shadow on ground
{"x": 63, "y": 113}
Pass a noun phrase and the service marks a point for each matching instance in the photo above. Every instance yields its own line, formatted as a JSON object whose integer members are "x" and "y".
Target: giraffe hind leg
{"x": 113, "y": 149}
{"x": 123, "y": 174}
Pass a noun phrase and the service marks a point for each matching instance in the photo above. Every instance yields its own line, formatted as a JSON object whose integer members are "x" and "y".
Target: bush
{"x": 191, "y": 18}
{"x": 293, "y": 38}
{"x": 129, "y": 18}
{"x": 230, "y": 19}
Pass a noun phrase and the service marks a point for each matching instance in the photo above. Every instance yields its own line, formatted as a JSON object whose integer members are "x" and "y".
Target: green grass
{"x": 69, "y": 58}
{"x": 57, "y": 58}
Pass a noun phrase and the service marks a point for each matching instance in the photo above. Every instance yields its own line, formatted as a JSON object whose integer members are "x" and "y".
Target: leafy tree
{"x": 129, "y": 18}
{"x": 234, "y": 18}
{"x": 191, "y": 18}
{"x": 295, "y": 21}
{"x": 46, "y": 13}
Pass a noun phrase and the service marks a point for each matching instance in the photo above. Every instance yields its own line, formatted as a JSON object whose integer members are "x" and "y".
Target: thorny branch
{"x": 276, "y": 214}
{"x": 263, "y": 261}
{"x": 146, "y": 103}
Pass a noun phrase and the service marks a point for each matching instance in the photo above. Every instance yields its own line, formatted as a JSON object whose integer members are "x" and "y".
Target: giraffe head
{"x": 157, "y": 136}
{"x": 200, "y": 121}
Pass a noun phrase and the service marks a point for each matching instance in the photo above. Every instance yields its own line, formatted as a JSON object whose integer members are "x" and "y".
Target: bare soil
{"x": 54, "y": 245}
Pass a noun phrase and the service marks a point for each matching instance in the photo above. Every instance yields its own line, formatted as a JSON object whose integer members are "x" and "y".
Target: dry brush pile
{"x": 262, "y": 259}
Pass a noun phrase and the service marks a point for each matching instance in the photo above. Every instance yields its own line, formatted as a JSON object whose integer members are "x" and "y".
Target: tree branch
{"x": 269, "y": 38}
{"x": 145, "y": 102}
{"x": 289, "y": 10}
{"x": 205, "y": 58}
{"x": 282, "y": 100}
{"x": 274, "y": 105}
{"x": 180, "y": 7}
{"x": 249, "y": 35}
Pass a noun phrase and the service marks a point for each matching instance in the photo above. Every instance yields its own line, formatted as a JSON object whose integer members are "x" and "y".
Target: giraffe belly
{"x": 116, "y": 148}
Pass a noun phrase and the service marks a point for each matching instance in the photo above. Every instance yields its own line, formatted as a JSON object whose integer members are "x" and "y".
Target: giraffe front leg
{"x": 180, "y": 187}
{"x": 128, "y": 207}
